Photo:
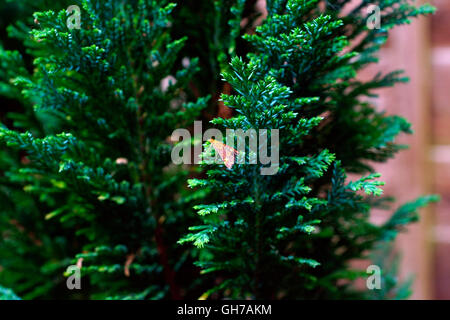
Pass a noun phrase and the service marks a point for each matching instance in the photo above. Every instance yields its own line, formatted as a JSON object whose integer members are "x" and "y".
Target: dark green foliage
{"x": 85, "y": 162}
{"x": 109, "y": 184}
{"x": 294, "y": 234}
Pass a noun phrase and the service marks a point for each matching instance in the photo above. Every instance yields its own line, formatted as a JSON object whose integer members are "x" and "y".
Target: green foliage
{"x": 7, "y": 294}
{"x": 86, "y": 175}
{"x": 106, "y": 193}
{"x": 302, "y": 227}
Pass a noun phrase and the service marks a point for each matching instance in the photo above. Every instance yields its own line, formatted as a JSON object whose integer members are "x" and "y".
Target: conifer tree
{"x": 91, "y": 152}
{"x": 294, "y": 234}
{"x": 86, "y": 176}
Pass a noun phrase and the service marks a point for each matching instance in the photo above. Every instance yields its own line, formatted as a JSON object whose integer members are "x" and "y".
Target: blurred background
{"x": 422, "y": 49}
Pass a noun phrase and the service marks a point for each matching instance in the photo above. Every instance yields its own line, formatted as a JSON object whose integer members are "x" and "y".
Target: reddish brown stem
{"x": 169, "y": 274}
